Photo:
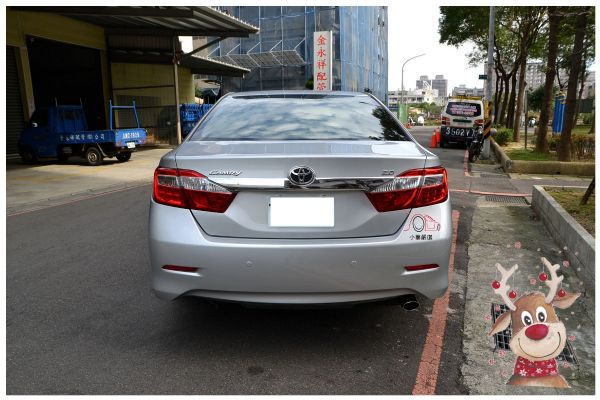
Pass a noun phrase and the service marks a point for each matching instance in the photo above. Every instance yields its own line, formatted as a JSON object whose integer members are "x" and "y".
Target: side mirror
{"x": 34, "y": 125}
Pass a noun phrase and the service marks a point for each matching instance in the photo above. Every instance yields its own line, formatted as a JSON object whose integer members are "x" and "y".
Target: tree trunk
{"x": 588, "y": 192}
{"x": 504, "y": 106}
{"x": 541, "y": 144}
{"x": 510, "y": 110}
{"x": 565, "y": 146}
{"x": 581, "y": 86}
{"x": 498, "y": 98}
{"x": 520, "y": 94}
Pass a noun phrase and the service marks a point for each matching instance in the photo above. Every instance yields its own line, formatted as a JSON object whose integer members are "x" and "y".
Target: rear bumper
{"x": 297, "y": 271}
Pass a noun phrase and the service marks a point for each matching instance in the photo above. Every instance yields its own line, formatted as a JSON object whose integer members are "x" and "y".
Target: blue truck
{"x": 61, "y": 132}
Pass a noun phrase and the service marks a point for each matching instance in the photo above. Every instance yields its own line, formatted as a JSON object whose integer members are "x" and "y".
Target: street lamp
{"x": 402, "y": 83}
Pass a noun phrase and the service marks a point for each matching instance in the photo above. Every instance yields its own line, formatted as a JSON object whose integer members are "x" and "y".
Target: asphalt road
{"x": 81, "y": 318}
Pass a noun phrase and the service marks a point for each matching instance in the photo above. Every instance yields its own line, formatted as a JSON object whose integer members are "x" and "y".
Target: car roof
{"x": 297, "y": 93}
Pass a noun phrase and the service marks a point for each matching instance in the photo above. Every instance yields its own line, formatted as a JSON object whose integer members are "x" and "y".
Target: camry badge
{"x": 221, "y": 172}
{"x": 302, "y": 176}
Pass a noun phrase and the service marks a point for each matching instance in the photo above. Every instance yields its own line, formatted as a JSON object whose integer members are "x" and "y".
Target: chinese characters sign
{"x": 463, "y": 109}
{"x": 322, "y": 60}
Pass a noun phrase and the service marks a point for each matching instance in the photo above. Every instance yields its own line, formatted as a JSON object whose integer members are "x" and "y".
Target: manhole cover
{"x": 502, "y": 339}
{"x": 506, "y": 199}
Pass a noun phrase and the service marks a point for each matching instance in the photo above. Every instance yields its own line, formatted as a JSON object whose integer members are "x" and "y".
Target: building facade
{"x": 439, "y": 83}
{"x": 280, "y": 56}
{"x": 424, "y": 95}
{"x": 463, "y": 90}
{"x": 89, "y": 56}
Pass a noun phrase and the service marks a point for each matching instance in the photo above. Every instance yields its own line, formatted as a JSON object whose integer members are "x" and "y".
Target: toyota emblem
{"x": 302, "y": 176}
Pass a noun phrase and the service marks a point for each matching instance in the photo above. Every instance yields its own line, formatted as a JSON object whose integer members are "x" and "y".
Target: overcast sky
{"x": 413, "y": 30}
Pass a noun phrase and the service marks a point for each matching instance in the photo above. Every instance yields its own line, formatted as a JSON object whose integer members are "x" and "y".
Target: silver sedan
{"x": 299, "y": 197}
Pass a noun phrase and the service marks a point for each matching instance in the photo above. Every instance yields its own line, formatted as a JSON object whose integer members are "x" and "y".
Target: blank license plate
{"x": 131, "y": 145}
{"x": 307, "y": 212}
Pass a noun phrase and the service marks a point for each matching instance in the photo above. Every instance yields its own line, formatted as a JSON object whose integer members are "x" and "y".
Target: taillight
{"x": 185, "y": 188}
{"x": 445, "y": 121}
{"x": 411, "y": 189}
{"x": 479, "y": 122}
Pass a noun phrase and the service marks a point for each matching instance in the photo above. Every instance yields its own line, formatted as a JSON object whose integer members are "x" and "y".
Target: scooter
{"x": 476, "y": 145}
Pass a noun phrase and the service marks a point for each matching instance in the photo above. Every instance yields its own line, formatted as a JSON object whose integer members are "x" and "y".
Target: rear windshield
{"x": 299, "y": 117}
{"x": 463, "y": 109}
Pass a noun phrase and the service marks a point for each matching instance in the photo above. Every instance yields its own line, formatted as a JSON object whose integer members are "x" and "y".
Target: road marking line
{"x": 86, "y": 197}
{"x": 432, "y": 351}
{"x": 493, "y": 193}
{"x": 466, "y": 163}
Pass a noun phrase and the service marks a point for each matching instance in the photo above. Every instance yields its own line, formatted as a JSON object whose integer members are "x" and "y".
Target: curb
{"x": 502, "y": 157}
{"x": 574, "y": 168}
{"x": 568, "y": 232}
{"x": 24, "y": 208}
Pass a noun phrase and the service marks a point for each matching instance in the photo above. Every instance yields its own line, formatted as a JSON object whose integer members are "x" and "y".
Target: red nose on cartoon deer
{"x": 537, "y": 331}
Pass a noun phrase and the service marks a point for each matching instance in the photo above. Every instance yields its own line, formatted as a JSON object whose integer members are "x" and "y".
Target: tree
{"x": 565, "y": 144}
{"x": 526, "y": 26}
{"x": 535, "y": 99}
{"x": 541, "y": 144}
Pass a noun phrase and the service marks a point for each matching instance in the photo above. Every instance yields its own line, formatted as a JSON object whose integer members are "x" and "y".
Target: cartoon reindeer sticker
{"x": 537, "y": 334}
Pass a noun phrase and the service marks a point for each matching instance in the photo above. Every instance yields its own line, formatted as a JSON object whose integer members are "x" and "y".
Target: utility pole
{"x": 488, "y": 88}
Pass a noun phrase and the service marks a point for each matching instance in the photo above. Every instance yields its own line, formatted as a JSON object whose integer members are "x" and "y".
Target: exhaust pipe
{"x": 408, "y": 302}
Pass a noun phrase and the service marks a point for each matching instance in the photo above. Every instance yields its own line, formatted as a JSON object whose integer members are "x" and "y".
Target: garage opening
{"x": 67, "y": 74}
{"x": 15, "y": 121}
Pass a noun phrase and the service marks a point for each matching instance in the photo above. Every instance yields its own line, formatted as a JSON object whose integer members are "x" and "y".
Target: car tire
{"x": 27, "y": 155}
{"x": 93, "y": 156}
{"x": 123, "y": 157}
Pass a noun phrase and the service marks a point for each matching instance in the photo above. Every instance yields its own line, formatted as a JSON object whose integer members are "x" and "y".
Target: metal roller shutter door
{"x": 15, "y": 121}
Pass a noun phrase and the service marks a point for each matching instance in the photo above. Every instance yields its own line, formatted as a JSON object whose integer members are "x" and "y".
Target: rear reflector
{"x": 185, "y": 188}
{"x": 179, "y": 268}
{"x": 411, "y": 189}
{"x": 421, "y": 267}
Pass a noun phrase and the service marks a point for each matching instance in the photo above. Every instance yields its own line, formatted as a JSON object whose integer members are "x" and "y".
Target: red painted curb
{"x": 432, "y": 351}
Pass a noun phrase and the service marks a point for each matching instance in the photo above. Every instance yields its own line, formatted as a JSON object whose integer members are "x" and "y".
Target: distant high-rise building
{"x": 439, "y": 83}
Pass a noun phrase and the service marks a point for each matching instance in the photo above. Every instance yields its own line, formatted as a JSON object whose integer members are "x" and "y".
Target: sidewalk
{"x": 46, "y": 183}
{"x": 491, "y": 178}
{"x": 512, "y": 235}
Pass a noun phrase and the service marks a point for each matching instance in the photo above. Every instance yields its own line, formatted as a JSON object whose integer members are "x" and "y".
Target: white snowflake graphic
{"x": 522, "y": 372}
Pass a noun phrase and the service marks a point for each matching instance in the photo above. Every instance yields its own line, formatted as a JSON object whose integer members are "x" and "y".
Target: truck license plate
{"x": 131, "y": 145}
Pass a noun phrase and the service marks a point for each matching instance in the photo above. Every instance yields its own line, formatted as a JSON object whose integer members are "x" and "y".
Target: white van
{"x": 461, "y": 117}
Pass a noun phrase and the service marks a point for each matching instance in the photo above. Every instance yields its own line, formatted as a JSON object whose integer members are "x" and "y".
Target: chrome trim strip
{"x": 367, "y": 183}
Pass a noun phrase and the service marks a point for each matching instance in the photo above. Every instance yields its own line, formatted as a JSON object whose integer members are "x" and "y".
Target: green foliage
{"x": 553, "y": 142}
{"x": 535, "y": 99}
{"x": 503, "y": 136}
{"x": 310, "y": 83}
{"x": 584, "y": 145}
{"x": 528, "y": 155}
{"x": 587, "y": 118}
{"x": 458, "y": 25}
